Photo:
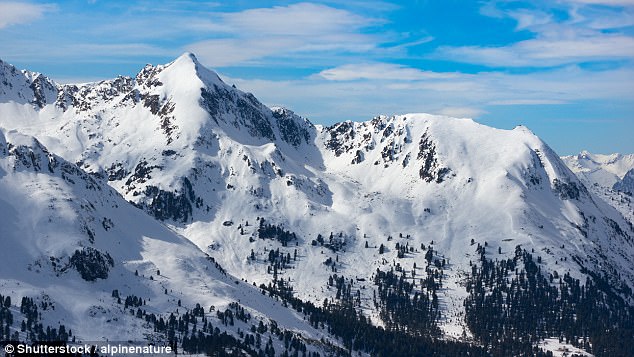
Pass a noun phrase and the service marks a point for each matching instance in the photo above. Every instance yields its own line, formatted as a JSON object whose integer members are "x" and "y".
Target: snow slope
{"x": 214, "y": 164}
{"x": 51, "y": 209}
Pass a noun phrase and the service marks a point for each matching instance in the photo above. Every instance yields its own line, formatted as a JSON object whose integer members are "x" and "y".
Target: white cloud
{"x": 527, "y": 102}
{"x": 606, "y": 2}
{"x": 601, "y": 17}
{"x": 15, "y": 13}
{"x": 527, "y": 19}
{"x": 461, "y": 112}
{"x": 279, "y": 31}
{"x": 380, "y": 71}
{"x": 306, "y": 33}
{"x": 581, "y": 37}
{"x": 544, "y": 52}
{"x": 224, "y": 52}
{"x": 118, "y": 49}
{"x": 88, "y": 52}
{"x": 464, "y": 95}
{"x": 414, "y": 43}
{"x": 303, "y": 19}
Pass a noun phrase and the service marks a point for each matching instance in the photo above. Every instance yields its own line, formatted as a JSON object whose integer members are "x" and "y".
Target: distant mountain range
{"x": 610, "y": 177}
{"x": 604, "y": 170}
{"x": 402, "y": 235}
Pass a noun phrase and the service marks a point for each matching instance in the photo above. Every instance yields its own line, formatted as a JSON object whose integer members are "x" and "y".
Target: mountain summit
{"x": 423, "y": 225}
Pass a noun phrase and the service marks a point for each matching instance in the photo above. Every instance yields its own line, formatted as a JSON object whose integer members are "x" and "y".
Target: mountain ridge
{"x": 604, "y": 169}
{"x": 607, "y": 176}
{"x": 268, "y": 194}
{"x": 77, "y": 250}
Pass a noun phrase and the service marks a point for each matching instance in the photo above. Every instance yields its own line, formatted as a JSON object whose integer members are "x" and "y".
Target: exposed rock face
{"x": 626, "y": 184}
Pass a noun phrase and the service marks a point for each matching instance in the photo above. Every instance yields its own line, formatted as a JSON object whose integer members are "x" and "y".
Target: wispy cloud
{"x": 302, "y": 31}
{"x": 461, "y": 112}
{"x": 302, "y": 19}
{"x": 606, "y": 2}
{"x": 457, "y": 94}
{"x": 587, "y": 34}
{"x": 544, "y": 52}
{"x": 88, "y": 52}
{"x": 15, "y": 13}
{"x": 527, "y": 102}
{"x": 602, "y": 17}
{"x": 283, "y": 31}
{"x": 379, "y": 71}
{"x": 528, "y": 19}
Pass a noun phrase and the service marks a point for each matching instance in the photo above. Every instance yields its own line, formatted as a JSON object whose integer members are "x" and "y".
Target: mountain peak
{"x": 187, "y": 57}
{"x": 187, "y": 64}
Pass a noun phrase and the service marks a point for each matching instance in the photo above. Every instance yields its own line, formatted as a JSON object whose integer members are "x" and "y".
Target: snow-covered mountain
{"x": 400, "y": 218}
{"x": 605, "y": 170}
{"x": 611, "y": 177}
{"x": 626, "y": 184}
{"x": 104, "y": 270}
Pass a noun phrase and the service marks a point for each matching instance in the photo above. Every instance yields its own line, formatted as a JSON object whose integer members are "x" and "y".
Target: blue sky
{"x": 564, "y": 68}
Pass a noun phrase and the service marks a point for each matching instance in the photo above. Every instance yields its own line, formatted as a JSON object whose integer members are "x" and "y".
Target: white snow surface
{"x": 601, "y": 169}
{"x": 561, "y": 349}
{"x": 417, "y": 178}
{"x": 607, "y": 177}
{"x": 50, "y": 208}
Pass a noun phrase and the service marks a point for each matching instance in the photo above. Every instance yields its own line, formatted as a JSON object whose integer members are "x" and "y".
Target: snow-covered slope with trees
{"x": 400, "y": 218}
{"x": 97, "y": 268}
